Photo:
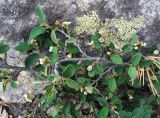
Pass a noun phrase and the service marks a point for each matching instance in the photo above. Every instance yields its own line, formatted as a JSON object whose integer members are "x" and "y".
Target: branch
{"x": 6, "y": 66}
{"x": 102, "y": 74}
{"x": 76, "y": 44}
{"x": 78, "y": 59}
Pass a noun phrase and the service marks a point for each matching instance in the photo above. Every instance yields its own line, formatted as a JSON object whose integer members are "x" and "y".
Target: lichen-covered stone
{"x": 17, "y": 18}
{"x": 123, "y": 29}
{"x": 17, "y": 95}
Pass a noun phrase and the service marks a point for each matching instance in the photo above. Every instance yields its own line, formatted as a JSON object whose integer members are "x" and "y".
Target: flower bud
{"x": 108, "y": 53}
{"x": 156, "y": 52}
{"x": 85, "y": 93}
{"x": 144, "y": 44}
{"x": 101, "y": 32}
{"x": 89, "y": 68}
{"x": 51, "y": 49}
{"x": 69, "y": 55}
{"x": 101, "y": 40}
{"x": 57, "y": 22}
{"x": 136, "y": 48}
{"x": 135, "y": 44}
{"x": 66, "y": 24}
{"x": 41, "y": 61}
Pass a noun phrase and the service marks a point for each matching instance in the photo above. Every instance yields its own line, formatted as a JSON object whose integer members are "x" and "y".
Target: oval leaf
{"x": 104, "y": 112}
{"x": 39, "y": 12}
{"x": 112, "y": 85}
{"x": 3, "y": 48}
{"x": 136, "y": 58}
{"x": 89, "y": 89}
{"x": 68, "y": 71}
{"x": 36, "y": 32}
{"x": 132, "y": 72}
{"x": 72, "y": 49}
{"x": 23, "y": 47}
{"x": 54, "y": 57}
{"x": 72, "y": 84}
{"x": 134, "y": 38}
{"x": 71, "y": 40}
{"x": 31, "y": 59}
{"x": 53, "y": 37}
{"x": 116, "y": 59}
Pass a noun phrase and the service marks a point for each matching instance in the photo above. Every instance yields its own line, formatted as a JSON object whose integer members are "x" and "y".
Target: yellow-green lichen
{"x": 116, "y": 30}
{"x": 88, "y": 23}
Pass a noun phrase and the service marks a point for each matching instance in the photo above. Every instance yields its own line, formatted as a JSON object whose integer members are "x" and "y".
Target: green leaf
{"x": 104, "y": 112}
{"x": 132, "y": 72}
{"x": 95, "y": 38}
{"x": 145, "y": 63}
{"x": 91, "y": 73}
{"x": 72, "y": 84}
{"x": 23, "y": 47}
{"x": 127, "y": 48}
{"x": 14, "y": 84}
{"x": 72, "y": 49}
{"x": 119, "y": 70}
{"x": 134, "y": 38}
{"x": 37, "y": 87}
{"x": 112, "y": 85}
{"x": 69, "y": 71}
{"x": 89, "y": 89}
{"x": 54, "y": 58}
{"x": 31, "y": 59}
{"x": 3, "y": 48}
{"x": 123, "y": 114}
{"x": 39, "y": 12}
{"x": 111, "y": 46}
{"x": 136, "y": 58}
{"x": 36, "y": 32}
{"x": 71, "y": 40}
{"x": 116, "y": 59}
{"x": 54, "y": 112}
{"x": 77, "y": 107}
{"x": 81, "y": 80}
{"x": 53, "y": 37}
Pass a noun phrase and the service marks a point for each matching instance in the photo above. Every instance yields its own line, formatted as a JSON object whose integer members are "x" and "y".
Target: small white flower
{"x": 27, "y": 98}
{"x": 81, "y": 89}
{"x": 41, "y": 61}
{"x": 57, "y": 22}
{"x": 136, "y": 48}
{"x": 66, "y": 24}
{"x": 91, "y": 43}
{"x": 101, "y": 32}
{"x": 101, "y": 40}
{"x": 135, "y": 44}
{"x": 33, "y": 41}
{"x": 144, "y": 44}
{"x": 51, "y": 49}
{"x": 85, "y": 93}
{"x": 108, "y": 53}
{"x": 69, "y": 55}
{"x": 156, "y": 52}
{"x": 89, "y": 68}
{"x": 130, "y": 97}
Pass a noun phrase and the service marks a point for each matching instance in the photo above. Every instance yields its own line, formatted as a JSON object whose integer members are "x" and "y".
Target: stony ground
{"x": 17, "y": 18}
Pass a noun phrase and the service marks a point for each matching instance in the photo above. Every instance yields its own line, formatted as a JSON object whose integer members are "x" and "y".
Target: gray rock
{"x": 17, "y": 18}
{"x": 17, "y": 95}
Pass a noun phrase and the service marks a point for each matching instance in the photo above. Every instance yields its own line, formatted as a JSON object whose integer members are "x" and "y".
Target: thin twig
{"x": 77, "y": 59}
{"x": 102, "y": 74}
{"x": 6, "y": 66}
{"x": 76, "y": 44}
